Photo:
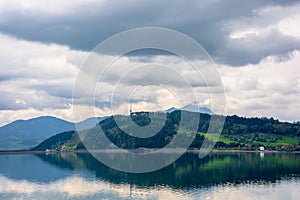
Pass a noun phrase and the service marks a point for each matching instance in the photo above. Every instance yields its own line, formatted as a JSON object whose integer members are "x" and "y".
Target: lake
{"x": 220, "y": 175}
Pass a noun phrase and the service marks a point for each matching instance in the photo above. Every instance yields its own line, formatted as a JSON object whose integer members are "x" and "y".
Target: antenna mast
{"x": 130, "y": 110}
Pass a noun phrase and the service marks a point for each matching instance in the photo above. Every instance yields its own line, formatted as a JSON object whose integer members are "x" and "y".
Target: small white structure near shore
{"x": 261, "y": 148}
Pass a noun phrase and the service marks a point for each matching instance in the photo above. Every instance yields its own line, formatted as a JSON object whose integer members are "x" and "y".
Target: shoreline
{"x": 116, "y": 151}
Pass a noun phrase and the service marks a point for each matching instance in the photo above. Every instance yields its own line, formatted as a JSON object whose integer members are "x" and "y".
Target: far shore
{"x": 117, "y": 150}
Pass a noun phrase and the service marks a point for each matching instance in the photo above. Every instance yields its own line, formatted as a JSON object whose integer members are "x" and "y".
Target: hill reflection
{"x": 189, "y": 170}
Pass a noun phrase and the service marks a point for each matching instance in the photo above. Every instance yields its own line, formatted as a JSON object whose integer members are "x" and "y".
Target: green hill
{"x": 64, "y": 140}
{"x": 238, "y": 133}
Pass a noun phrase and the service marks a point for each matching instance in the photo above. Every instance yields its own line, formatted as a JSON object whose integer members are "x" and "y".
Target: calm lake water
{"x": 217, "y": 176}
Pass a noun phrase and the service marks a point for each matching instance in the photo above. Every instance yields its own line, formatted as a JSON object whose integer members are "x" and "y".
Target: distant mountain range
{"x": 24, "y": 134}
{"x": 191, "y": 108}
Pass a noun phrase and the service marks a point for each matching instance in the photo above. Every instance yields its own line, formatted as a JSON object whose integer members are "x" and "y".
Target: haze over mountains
{"x": 24, "y": 134}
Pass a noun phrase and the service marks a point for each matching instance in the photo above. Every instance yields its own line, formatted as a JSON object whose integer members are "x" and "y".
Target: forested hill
{"x": 241, "y": 125}
{"x": 238, "y": 133}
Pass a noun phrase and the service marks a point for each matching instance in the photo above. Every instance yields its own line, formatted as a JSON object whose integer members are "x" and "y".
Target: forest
{"x": 238, "y": 133}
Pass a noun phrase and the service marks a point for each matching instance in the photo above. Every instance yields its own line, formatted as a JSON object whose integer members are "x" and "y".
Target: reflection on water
{"x": 79, "y": 187}
{"x": 217, "y": 176}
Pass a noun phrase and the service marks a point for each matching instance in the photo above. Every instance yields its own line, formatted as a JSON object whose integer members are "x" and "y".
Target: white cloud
{"x": 37, "y": 79}
{"x": 290, "y": 25}
{"x": 36, "y": 59}
{"x": 270, "y": 88}
{"x": 36, "y": 75}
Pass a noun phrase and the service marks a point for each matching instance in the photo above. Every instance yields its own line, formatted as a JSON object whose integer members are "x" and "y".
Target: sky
{"x": 255, "y": 46}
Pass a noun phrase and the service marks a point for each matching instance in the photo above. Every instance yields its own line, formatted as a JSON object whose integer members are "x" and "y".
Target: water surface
{"x": 217, "y": 176}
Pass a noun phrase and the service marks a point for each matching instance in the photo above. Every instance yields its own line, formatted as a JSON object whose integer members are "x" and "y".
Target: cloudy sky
{"x": 254, "y": 44}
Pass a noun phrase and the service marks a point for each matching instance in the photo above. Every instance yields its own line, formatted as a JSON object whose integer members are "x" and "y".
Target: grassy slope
{"x": 267, "y": 140}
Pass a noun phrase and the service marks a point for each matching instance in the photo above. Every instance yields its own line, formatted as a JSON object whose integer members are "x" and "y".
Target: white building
{"x": 261, "y": 148}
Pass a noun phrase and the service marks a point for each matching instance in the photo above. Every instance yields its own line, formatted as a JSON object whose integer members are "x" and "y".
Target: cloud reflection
{"x": 79, "y": 187}
{"x": 76, "y": 186}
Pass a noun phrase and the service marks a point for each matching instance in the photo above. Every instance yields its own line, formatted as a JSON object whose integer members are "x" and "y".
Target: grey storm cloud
{"x": 208, "y": 22}
{"x": 255, "y": 48}
{"x": 42, "y": 48}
